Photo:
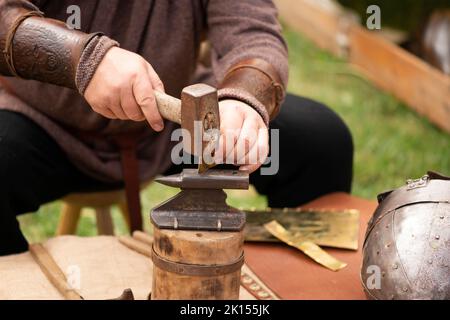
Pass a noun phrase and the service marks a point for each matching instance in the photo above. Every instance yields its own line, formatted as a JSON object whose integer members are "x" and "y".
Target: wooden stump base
{"x": 196, "y": 265}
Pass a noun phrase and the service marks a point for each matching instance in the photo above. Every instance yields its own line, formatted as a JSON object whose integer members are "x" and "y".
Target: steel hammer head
{"x": 201, "y": 123}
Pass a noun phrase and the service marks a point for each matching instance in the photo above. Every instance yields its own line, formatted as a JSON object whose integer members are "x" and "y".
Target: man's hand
{"x": 122, "y": 88}
{"x": 244, "y": 138}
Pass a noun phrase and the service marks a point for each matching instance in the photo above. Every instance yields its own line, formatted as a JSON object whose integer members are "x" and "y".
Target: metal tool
{"x": 198, "y": 113}
{"x": 201, "y": 204}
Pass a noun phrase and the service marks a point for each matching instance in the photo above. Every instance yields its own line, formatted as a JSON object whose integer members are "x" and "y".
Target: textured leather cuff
{"x": 257, "y": 83}
{"x": 91, "y": 57}
{"x": 8, "y": 49}
{"x": 44, "y": 49}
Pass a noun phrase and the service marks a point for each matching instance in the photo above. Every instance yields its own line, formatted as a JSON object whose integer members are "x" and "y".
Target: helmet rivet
{"x": 405, "y": 289}
{"x": 430, "y": 261}
{"x": 395, "y": 266}
{"x": 437, "y": 237}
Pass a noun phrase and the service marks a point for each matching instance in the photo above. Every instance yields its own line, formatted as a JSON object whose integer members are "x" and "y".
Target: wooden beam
{"x": 323, "y": 22}
{"x": 422, "y": 87}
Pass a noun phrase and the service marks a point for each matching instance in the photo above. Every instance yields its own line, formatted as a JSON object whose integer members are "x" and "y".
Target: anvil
{"x": 201, "y": 203}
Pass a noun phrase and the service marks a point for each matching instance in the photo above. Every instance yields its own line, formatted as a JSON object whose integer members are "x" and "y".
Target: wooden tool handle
{"x": 143, "y": 237}
{"x": 169, "y": 107}
{"x": 52, "y": 271}
{"x": 136, "y": 245}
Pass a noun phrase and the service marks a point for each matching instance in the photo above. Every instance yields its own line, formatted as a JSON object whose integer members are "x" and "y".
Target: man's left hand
{"x": 244, "y": 138}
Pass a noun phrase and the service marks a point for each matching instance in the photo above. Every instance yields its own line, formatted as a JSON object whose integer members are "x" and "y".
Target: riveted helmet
{"x": 406, "y": 253}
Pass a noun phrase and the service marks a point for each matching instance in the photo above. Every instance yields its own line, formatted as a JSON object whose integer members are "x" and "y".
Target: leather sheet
{"x": 292, "y": 275}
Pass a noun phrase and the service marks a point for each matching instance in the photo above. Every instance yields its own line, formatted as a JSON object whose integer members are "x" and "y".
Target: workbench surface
{"x": 101, "y": 267}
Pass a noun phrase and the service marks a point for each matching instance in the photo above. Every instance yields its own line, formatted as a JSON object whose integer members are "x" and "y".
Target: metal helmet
{"x": 435, "y": 44}
{"x": 406, "y": 253}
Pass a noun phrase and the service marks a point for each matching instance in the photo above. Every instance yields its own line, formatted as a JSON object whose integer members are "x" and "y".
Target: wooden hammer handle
{"x": 169, "y": 107}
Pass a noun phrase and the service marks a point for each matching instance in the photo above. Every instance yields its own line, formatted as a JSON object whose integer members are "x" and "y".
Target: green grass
{"x": 392, "y": 142}
{"x": 42, "y": 225}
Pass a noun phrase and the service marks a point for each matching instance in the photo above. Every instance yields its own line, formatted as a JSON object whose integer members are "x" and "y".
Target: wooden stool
{"x": 101, "y": 202}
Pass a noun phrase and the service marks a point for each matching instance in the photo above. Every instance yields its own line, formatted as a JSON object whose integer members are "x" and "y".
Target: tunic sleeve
{"x": 249, "y": 54}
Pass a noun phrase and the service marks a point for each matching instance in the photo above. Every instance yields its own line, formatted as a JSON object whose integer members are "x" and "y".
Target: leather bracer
{"x": 257, "y": 83}
{"x": 34, "y": 47}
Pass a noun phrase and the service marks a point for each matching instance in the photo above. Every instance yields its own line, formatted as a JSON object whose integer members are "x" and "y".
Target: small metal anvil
{"x": 201, "y": 204}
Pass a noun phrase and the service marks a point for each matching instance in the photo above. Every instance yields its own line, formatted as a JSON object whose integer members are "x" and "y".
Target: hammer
{"x": 198, "y": 114}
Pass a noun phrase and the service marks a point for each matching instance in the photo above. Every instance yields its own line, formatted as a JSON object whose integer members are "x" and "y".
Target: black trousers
{"x": 315, "y": 152}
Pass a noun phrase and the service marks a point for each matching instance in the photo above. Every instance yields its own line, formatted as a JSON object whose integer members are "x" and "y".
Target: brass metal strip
{"x": 338, "y": 228}
{"x": 309, "y": 248}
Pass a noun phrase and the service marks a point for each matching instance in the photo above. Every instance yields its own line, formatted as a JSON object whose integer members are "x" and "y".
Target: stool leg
{"x": 123, "y": 206}
{"x": 104, "y": 221}
{"x": 70, "y": 214}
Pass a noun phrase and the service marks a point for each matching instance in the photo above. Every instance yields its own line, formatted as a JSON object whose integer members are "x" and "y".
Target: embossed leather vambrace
{"x": 257, "y": 83}
{"x": 34, "y": 47}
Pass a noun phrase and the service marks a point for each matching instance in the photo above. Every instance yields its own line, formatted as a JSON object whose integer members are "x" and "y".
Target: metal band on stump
{"x": 196, "y": 270}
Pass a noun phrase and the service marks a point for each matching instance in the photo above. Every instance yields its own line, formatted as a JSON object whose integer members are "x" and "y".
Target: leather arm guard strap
{"x": 47, "y": 50}
{"x": 257, "y": 83}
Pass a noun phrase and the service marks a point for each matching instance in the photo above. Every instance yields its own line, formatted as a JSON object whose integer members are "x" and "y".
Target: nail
{"x": 158, "y": 126}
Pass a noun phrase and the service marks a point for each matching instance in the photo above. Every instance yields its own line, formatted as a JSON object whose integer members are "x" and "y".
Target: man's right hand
{"x": 122, "y": 88}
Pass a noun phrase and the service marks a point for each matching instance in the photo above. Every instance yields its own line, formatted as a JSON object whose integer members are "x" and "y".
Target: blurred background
{"x": 406, "y": 15}
{"x": 392, "y": 142}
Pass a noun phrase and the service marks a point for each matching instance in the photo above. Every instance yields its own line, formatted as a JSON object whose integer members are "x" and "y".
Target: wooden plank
{"x": 143, "y": 237}
{"x": 52, "y": 271}
{"x": 413, "y": 81}
{"x": 321, "y": 21}
{"x": 136, "y": 245}
{"x": 422, "y": 87}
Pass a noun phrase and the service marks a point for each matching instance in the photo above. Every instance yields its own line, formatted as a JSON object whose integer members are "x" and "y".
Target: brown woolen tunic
{"x": 167, "y": 33}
